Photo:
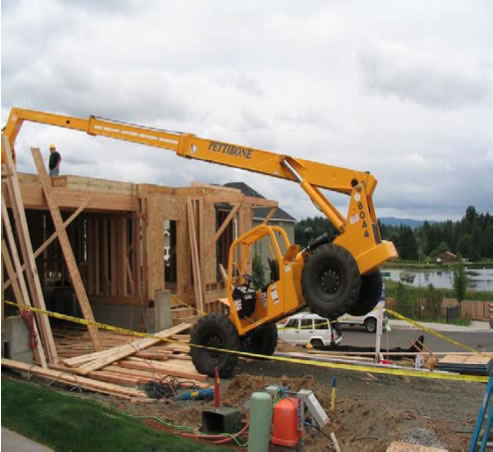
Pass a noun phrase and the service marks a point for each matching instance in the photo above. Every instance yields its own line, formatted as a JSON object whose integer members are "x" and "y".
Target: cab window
{"x": 306, "y": 324}
{"x": 292, "y": 323}
{"x": 321, "y": 324}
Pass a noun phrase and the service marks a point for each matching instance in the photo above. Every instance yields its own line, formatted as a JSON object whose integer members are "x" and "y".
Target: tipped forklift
{"x": 336, "y": 273}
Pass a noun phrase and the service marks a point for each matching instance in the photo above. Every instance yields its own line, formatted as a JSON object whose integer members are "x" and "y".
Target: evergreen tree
{"x": 460, "y": 279}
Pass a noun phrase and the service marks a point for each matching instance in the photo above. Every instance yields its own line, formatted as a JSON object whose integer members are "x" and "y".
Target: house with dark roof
{"x": 279, "y": 218}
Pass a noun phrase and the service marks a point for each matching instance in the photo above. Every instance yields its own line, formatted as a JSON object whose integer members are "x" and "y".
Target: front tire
{"x": 369, "y": 293}
{"x": 217, "y": 331}
{"x": 331, "y": 281}
{"x": 262, "y": 340}
{"x": 371, "y": 325}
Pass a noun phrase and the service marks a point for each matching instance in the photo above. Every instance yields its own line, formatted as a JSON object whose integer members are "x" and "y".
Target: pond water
{"x": 479, "y": 279}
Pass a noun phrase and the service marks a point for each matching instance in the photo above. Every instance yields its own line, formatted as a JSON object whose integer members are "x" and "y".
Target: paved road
{"x": 479, "y": 340}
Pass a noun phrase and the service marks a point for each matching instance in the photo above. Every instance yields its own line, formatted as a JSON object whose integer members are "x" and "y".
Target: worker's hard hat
{"x": 52, "y": 146}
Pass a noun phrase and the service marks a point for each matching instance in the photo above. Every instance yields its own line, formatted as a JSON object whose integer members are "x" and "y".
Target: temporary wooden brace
{"x": 53, "y": 236}
{"x": 73, "y": 270}
{"x": 128, "y": 349}
{"x": 223, "y": 226}
{"x": 39, "y": 354}
{"x": 195, "y": 258}
{"x": 27, "y": 254}
{"x": 269, "y": 215}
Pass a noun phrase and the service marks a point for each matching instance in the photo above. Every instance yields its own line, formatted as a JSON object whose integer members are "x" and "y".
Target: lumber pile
{"x": 125, "y": 364}
{"x": 466, "y": 364}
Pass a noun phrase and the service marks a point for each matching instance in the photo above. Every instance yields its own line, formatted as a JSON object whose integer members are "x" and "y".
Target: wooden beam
{"x": 269, "y": 215}
{"x": 63, "y": 376}
{"x": 32, "y": 197}
{"x": 68, "y": 254}
{"x": 27, "y": 254}
{"x": 223, "y": 226}
{"x": 195, "y": 258}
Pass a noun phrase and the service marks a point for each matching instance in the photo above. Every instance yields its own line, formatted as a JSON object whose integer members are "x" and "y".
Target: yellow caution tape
{"x": 179, "y": 300}
{"x": 433, "y": 332}
{"x": 358, "y": 368}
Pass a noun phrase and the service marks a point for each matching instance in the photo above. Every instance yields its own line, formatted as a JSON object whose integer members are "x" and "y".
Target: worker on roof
{"x": 55, "y": 161}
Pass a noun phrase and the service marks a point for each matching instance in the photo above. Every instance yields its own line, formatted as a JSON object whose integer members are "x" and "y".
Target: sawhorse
{"x": 479, "y": 422}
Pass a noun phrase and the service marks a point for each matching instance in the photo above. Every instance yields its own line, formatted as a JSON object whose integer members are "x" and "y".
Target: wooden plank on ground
{"x": 68, "y": 253}
{"x": 63, "y": 376}
{"x": 161, "y": 368}
{"x": 129, "y": 349}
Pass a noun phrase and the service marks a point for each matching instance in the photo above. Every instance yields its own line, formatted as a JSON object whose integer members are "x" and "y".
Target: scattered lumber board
{"x": 98, "y": 360}
{"x": 159, "y": 368}
{"x": 74, "y": 380}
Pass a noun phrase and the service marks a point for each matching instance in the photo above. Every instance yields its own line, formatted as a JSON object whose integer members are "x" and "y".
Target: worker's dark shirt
{"x": 54, "y": 159}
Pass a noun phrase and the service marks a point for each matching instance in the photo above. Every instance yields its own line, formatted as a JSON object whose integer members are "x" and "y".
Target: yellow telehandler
{"x": 333, "y": 275}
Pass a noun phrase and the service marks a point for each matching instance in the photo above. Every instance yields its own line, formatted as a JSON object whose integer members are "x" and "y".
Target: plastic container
{"x": 284, "y": 430}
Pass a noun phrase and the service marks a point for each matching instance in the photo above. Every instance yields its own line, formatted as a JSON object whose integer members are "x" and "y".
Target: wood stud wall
{"x": 118, "y": 240}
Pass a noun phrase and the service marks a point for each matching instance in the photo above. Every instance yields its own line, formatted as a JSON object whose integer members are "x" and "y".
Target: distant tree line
{"x": 472, "y": 236}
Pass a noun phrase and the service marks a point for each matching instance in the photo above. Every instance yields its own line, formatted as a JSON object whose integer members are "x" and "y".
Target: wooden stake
{"x": 66, "y": 248}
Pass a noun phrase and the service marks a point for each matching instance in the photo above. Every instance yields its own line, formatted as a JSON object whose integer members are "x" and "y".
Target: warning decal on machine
{"x": 273, "y": 294}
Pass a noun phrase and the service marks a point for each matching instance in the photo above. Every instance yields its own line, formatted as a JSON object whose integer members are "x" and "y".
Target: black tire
{"x": 371, "y": 325}
{"x": 369, "y": 293}
{"x": 330, "y": 281}
{"x": 317, "y": 344}
{"x": 214, "y": 330}
{"x": 262, "y": 340}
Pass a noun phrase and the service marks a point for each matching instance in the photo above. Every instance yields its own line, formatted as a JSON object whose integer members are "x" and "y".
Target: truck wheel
{"x": 317, "y": 344}
{"x": 262, "y": 340}
{"x": 214, "y": 330}
{"x": 369, "y": 293}
{"x": 330, "y": 281}
{"x": 371, "y": 325}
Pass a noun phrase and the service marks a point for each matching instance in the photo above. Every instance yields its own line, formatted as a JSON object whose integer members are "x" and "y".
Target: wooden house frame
{"x": 117, "y": 239}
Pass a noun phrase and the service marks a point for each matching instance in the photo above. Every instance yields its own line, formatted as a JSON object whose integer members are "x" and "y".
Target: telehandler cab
{"x": 335, "y": 274}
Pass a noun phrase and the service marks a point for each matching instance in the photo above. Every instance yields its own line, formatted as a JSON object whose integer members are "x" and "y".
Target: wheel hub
{"x": 331, "y": 281}
{"x": 214, "y": 341}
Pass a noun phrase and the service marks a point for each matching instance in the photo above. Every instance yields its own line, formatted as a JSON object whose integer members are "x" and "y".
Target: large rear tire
{"x": 262, "y": 340}
{"x": 214, "y": 330}
{"x": 330, "y": 281}
{"x": 369, "y": 293}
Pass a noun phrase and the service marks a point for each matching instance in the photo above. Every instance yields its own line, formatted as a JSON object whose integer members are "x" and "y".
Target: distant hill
{"x": 393, "y": 221}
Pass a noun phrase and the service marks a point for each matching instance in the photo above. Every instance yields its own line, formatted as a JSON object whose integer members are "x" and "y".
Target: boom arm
{"x": 310, "y": 175}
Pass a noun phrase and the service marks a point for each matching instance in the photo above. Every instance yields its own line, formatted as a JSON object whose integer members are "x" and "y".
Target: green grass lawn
{"x": 68, "y": 423}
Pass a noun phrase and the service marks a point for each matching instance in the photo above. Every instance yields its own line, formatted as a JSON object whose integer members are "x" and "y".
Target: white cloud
{"x": 404, "y": 91}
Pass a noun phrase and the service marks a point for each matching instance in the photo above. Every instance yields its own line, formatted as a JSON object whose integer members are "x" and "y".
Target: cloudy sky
{"x": 402, "y": 89}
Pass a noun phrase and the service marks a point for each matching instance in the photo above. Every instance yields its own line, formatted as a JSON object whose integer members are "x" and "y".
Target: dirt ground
{"x": 371, "y": 410}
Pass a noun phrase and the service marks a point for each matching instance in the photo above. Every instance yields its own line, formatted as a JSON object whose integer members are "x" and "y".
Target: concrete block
{"x": 19, "y": 340}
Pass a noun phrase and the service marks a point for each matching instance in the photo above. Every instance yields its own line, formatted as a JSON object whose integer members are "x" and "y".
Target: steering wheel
{"x": 248, "y": 279}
